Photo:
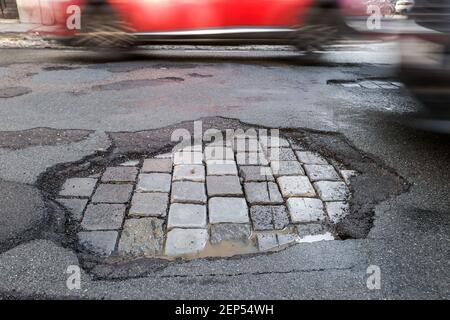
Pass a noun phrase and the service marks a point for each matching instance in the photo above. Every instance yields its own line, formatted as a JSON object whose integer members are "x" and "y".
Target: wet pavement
{"x": 75, "y": 114}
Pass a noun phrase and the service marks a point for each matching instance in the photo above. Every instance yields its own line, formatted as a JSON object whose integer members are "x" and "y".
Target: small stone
{"x": 142, "y": 237}
{"x": 230, "y": 232}
{"x": 154, "y": 182}
{"x": 218, "y": 153}
{"x": 78, "y": 187}
{"x": 262, "y": 193}
{"x": 251, "y": 158}
{"x": 101, "y": 243}
{"x": 281, "y": 154}
{"x": 295, "y": 186}
{"x": 223, "y": 186}
{"x": 308, "y": 229}
{"x": 222, "y": 168}
{"x": 267, "y": 241}
{"x": 286, "y": 168}
{"x": 273, "y": 142}
{"x": 187, "y": 158}
{"x": 149, "y": 205}
{"x": 318, "y": 172}
{"x": 332, "y": 191}
{"x": 233, "y": 210}
{"x": 112, "y": 193}
{"x": 192, "y": 172}
{"x": 119, "y": 174}
{"x": 188, "y": 192}
{"x": 184, "y": 215}
{"x": 255, "y": 173}
{"x": 103, "y": 217}
{"x": 157, "y": 165}
{"x": 308, "y": 157}
{"x": 75, "y": 207}
{"x": 185, "y": 241}
{"x": 347, "y": 175}
{"x": 337, "y": 210}
{"x": 280, "y": 217}
{"x": 262, "y": 218}
{"x": 305, "y": 210}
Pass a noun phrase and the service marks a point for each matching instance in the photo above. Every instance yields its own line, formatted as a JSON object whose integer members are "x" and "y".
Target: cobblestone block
{"x": 255, "y": 173}
{"x": 223, "y": 186}
{"x": 347, "y": 175}
{"x": 273, "y": 142}
{"x": 308, "y": 157}
{"x": 142, "y": 237}
{"x": 261, "y": 218}
{"x": 112, "y": 193}
{"x": 157, "y": 165}
{"x": 187, "y": 158}
{"x": 101, "y": 243}
{"x": 188, "y": 192}
{"x": 194, "y": 172}
{"x": 280, "y": 217}
{"x": 305, "y": 210}
{"x": 337, "y": 210}
{"x": 247, "y": 145}
{"x": 317, "y": 172}
{"x": 221, "y": 168}
{"x": 308, "y": 229}
{"x": 286, "y": 168}
{"x": 281, "y": 154}
{"x": 295, "y": 186}
{"x": 262, "y": 193}
{"x": 284, "y": 239}
{"x": 78, "y": 187}
{"x": 332, "y": 191}
{"x": 103, "y": 217}
{"x": 230, "y": 232}
{"x": 149, "y": 205}
{"x": 218, "y": 153}
{"x": 74, "y": 206}
{"x": 119, "y": 174}
{"x": 154, "y": 182}
{"x": 267, "y": 241}
{"x": 185, "y": 241}
{"x": 183, "y": 215}
{"x": 232, "y": 210}
{"x": 251, "y": 158}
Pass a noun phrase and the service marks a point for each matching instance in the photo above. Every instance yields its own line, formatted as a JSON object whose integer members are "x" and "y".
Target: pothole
{"x": 244, "y": 195}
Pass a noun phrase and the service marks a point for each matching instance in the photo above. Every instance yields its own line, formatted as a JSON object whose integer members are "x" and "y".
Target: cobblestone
{"x": 317, "y": 172}
{"x": 251, "y": 158}
{"x": 232, "y": 210}
{"x": 280, "y": 217}
{"x": 281, "y": 154}
{"x": 187, "y": 158}
{"x": 221, "y": 168}
{"x": 230, "y": 232}
{"x": 218, "y": 153}
{"x": 295, "y": 186}
{"x": 101, "y": 243}
{"x": 142, "y": 237}
{"x": 331, "y": 190}
{"x": 262, "y": 193}
{"x": 75, "y": 207}
{"x": 284, "y": 239}
{"x": 154, "y": 182}
{"x": 337, "y": 210}
{"x": 183, "y": 215}
{"x": 78, "y": 187}
{"x": 308, "y": 229}
{"x": 305, "y": 210}
{"x": 149, "y": 205}
{"x": 185, "y": 241}
{"x": 308, "y": 157}
{"x": 119, "y": 174}
{"x": 273, "y": 142}
{"x": 157, "y": 165}
{"x": 103, "y": 217}
{"x": 193, "y": 172}
{"x": 223, "y": 186}
{"x": 188, "y": 192}
{"x": 112, "y": 193}
{"x": 269, "y": 217}
{"x": 255, "y": 173}
{"x": 267, "y": 241}
{"x": 347, "y": 175}
{"x": 286, "y": 168}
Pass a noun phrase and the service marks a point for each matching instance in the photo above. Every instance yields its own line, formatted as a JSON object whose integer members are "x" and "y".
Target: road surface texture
{"x": 67, "y": 113}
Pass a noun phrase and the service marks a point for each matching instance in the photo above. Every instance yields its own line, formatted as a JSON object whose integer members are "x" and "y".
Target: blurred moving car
{"x": 425, "y": 66}
{"x": 307, "y": 24}
{"x": 404, "y": 6}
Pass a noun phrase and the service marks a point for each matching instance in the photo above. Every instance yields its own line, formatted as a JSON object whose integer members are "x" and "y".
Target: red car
{"x": 306, "y": 24}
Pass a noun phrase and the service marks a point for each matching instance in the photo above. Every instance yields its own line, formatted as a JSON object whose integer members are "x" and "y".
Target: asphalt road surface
{"x": 64, "y": 105}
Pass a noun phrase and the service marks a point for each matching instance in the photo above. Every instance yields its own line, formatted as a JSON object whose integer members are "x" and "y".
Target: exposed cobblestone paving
{"x": 251, "y": 194}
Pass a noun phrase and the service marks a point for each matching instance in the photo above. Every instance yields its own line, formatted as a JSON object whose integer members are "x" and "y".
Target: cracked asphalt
{"x": 64, "y": 106}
